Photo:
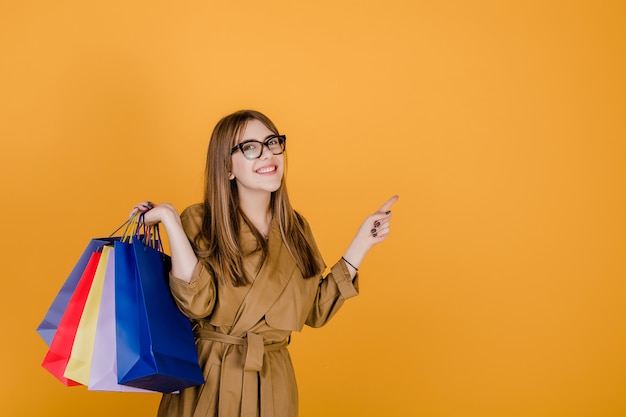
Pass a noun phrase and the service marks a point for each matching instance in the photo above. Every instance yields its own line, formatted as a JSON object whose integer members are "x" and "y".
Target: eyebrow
{"x": 256, "y": 140}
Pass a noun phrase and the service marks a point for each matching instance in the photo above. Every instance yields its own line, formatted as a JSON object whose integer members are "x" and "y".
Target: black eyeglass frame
{"x": 282, "y": 141}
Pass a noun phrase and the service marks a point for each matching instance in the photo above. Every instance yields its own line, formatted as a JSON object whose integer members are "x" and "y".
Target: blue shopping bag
{"x": 155, "y": 344}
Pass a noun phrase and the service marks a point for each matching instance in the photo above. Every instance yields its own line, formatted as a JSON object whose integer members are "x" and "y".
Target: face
{"x": 263, "y": 174}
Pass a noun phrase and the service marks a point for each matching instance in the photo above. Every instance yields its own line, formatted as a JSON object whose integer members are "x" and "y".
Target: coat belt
{"x": 255, "y": 347}
{"x": 253, "y": 363}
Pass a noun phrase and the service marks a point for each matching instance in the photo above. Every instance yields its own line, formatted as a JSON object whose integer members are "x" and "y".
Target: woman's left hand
{"x": 373, "y": 230}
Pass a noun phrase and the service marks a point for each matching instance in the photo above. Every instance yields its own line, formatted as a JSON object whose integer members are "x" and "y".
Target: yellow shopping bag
{"x": 79, "y": 365}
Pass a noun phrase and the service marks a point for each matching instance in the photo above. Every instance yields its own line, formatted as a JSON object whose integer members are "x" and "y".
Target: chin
{"x": 274, "y": 187}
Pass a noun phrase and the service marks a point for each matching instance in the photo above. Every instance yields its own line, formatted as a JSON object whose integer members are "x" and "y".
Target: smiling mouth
{"x": 266, "y": 170}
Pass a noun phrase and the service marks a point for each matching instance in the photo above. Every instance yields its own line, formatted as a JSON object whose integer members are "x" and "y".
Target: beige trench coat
{"x": 242, "y": 332}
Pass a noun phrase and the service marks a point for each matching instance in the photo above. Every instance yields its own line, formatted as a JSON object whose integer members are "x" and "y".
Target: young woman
{"x": 247, "y": 272}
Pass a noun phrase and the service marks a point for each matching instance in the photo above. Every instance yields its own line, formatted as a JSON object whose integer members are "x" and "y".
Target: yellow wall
{"x": 500, "y": 123}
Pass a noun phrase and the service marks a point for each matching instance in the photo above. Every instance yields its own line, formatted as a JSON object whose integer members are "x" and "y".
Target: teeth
{"x": 266, "y": 170}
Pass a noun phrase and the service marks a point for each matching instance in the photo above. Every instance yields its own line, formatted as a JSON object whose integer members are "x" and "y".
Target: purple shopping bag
{"x": 103, "y": 375}
{"x": 49, "y": 325}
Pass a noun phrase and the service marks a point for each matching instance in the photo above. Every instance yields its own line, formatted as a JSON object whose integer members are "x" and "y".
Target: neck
{"x": 257, "y": 208}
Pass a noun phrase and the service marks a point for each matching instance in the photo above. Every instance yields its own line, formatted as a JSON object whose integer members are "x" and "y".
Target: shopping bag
{"x": 60, "y": 348}
{"x": 48, "y": 326}
{"x": 103, "y": 375}
{"x": 79, "y": 363}
{"x": 155, "y": 344}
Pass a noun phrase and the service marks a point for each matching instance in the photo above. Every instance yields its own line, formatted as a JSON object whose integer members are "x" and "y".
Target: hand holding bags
{"x": 153, "y": 339}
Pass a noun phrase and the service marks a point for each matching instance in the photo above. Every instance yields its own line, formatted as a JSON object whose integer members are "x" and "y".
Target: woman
{"x": 247, "y": 272}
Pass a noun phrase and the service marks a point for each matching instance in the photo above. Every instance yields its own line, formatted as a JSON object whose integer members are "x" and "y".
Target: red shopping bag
{"x": 60, "y": 349}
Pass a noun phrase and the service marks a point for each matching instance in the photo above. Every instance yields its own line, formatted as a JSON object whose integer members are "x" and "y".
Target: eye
{"x": 249, "y": 147}
{"x": 272, "y": 141}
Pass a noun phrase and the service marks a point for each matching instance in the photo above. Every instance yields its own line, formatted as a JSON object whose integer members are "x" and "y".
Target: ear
{"x": 231, "y": 176}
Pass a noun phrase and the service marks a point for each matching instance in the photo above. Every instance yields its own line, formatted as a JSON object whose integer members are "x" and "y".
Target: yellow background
{"x": 501, "y": 124}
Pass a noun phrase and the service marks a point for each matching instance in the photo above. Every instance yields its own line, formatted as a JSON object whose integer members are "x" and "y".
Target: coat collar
{"x": 277, "y": 270}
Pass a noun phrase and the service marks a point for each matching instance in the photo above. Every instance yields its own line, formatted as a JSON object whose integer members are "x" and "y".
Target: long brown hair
{"x": 219, "y": 235}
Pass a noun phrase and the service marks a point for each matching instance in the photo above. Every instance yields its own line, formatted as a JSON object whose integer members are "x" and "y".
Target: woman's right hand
{"x": 183, "y": 257}
{"x": 154, "y": 214}
{"x": 141, "y": 207}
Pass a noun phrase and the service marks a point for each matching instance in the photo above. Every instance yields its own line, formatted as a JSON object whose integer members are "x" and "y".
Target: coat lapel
{"x": 276, "y": 272}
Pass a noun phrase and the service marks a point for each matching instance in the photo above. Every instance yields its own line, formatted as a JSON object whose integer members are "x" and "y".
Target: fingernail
{"x": 373, "y": 231}
{"x": 388, "y": 211}
{"x": 375, "y": 234}
{"x": 376, "y": 224}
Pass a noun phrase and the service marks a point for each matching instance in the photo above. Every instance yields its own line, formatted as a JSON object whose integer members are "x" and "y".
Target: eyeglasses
{"x": 253, "y": 149}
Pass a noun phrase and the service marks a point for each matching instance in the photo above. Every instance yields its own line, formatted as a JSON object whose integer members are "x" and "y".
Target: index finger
{"x": 385, "y": 207}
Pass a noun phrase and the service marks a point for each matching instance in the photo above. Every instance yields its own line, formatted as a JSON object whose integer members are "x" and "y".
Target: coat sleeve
{"x": 332, "y": 290}
{"x": 196, "y": 298}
